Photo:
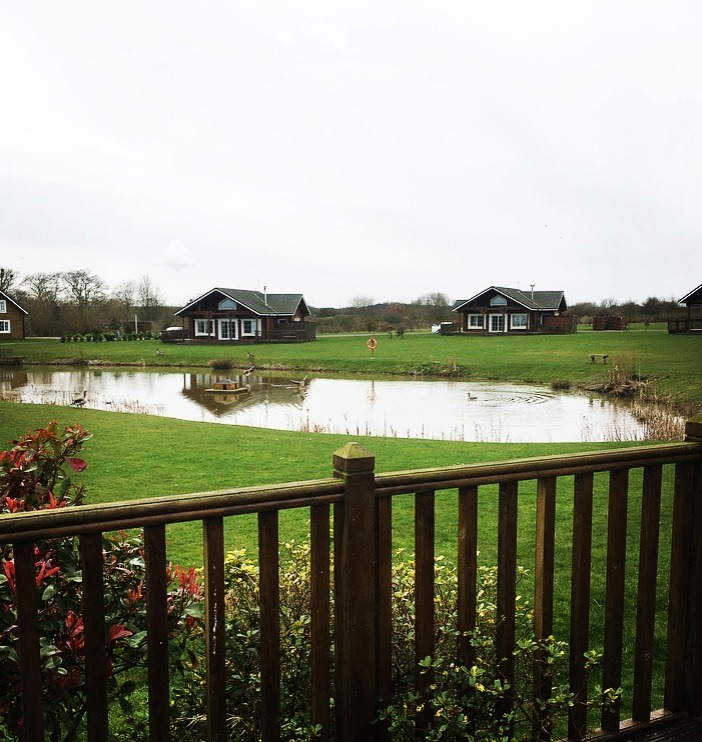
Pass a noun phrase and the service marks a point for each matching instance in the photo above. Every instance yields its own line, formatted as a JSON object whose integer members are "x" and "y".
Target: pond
{"x": 444, "y": 410}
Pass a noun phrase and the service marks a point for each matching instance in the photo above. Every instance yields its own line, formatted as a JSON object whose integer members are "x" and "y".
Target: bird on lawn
{"x": 80, "y": 401}
{"x": 159, "y": 352}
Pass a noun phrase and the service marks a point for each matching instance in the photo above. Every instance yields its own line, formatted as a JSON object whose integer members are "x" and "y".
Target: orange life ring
{"x": 371, "y": 343}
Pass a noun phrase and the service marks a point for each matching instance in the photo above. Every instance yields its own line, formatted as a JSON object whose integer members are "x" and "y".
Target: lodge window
{"x": 204, "y": 327}
{"x": 3, "y": 306}
{"x": 248, "y": 327}
{"x": 498, "y": 301}
{"x": 4, "y": 325}
{"x": 518, "y": 321}
{"x": 475, "y": 321}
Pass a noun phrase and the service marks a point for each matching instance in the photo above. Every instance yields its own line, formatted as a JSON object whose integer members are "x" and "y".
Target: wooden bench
{"x": 603, "y": 356}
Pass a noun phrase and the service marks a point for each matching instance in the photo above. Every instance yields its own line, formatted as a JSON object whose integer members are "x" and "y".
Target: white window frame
{"x": 496, "y": 323}
{"x": 252, "y": 323}
{"x": 202, "y": 323}
{"x": 227, "y": 329}
{"x": 519, "y": 321}
{"x": 476, "y": 321}
{"x": 5, "y": 326}
{"x": 3, "y": 306}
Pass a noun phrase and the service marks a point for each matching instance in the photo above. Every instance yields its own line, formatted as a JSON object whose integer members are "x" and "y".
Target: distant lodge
{"x": 225, "y": 316}
{"x": 692, "y": 324}
{"x": 499, "y": 310}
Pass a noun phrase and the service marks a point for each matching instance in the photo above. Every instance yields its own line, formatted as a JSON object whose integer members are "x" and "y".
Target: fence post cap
{"x": 352, "y": 457}
{"x": 693, "y": 427}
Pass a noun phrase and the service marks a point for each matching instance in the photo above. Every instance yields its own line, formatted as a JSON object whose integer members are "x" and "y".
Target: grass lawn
{"x": 136, "y": 456}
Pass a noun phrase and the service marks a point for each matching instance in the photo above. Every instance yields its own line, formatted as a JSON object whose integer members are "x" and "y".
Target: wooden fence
{"x": 359, "y": 502}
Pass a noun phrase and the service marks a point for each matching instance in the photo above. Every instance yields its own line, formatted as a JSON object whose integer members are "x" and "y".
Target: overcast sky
{"x": 355, "y": 149}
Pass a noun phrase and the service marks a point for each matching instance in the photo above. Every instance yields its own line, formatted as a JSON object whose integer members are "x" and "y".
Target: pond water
{"x": 445, "y": 410}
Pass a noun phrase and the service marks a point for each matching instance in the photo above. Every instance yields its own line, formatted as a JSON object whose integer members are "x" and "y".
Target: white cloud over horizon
{"x": 378, "y": 149}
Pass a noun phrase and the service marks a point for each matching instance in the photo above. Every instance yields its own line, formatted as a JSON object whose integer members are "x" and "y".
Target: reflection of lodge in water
{"x": 260, "y": 389}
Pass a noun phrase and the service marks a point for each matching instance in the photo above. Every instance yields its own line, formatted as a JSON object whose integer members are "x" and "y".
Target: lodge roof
{"x": 5, "y": 296}
{"x": 256, "y": 301}
{"x": 535, "y": 300}
{"x": 694, "y": 297}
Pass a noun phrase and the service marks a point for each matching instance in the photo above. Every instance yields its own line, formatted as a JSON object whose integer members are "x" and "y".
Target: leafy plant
{"x": 474, "y": 702}
{"x": 243, "y": 658}
{"x": 35, "y": 474}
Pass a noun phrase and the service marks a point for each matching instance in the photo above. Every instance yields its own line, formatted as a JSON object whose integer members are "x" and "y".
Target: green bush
{"x": 221, "y": 364}
{"x": 466, "y": 702}
{"x": 462, "y": 703}
{"x": 243, "y": 657}
{"x": 35, "y": 474}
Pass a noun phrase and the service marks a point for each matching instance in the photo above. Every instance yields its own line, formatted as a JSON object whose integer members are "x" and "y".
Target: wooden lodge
{"x": 13, "y": 319}
{"x": 498, "y": 310}
{"x": 692, "y": 324}
{"x": 240, "y": 316}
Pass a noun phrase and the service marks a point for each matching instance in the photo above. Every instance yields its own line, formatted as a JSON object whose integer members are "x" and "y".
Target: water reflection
{"x": 449, "y": 410}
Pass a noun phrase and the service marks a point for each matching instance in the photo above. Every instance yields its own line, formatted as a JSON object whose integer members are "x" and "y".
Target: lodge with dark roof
{"x": 241, "y": 316}
{"x": 13, "y": 319}
{"x": 692, "y": 324}
{"x": 500, "y": 310}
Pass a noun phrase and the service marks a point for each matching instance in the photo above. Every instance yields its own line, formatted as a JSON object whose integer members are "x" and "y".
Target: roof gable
{"x": 257, "y": 302}
{"x": 694, "y": 297}
{"x": 534, "y": 300}
{"x": 4, "y": 296}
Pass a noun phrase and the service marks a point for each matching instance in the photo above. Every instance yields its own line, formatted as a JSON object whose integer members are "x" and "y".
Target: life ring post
{"x": 372, "y": 344}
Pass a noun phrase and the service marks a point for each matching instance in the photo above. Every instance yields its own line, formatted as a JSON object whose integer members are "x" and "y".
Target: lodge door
{"x": 496, "y": 322}
{"x": 227, "y": 329}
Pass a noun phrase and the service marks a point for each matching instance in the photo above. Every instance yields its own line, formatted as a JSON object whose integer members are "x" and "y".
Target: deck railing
{"x": 359, "y": 502}
{"x": 685, "y": 325}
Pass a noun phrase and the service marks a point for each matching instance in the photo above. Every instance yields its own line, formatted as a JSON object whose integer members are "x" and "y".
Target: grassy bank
{"x": 670, "y": 363}
{"x": 135, "y": 456}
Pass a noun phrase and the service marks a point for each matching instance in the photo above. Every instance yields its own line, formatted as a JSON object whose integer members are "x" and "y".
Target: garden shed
{"x": 609, "y": 323}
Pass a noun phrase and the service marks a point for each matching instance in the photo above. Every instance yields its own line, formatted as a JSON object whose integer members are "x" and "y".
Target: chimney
{"x": 532, "y": 291}
{"x": 265, "y": 296}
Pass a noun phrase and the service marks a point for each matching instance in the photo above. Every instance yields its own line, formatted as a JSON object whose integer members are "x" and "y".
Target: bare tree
{"x": 8, "y": 278}
{"x": 437, "y": 306}
{"x": 83, "y": 288}
{"x": 45, "y": 287}
{"x": 125, "y": 296}
{"x": 149, "y": 298}
{"x": 361, "y": 302}
{"x": 434, "y": 299}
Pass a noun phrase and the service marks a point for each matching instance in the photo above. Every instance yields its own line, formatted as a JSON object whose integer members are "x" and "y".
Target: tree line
{"x": 79, "y": 301}
{"x": 364, "y": 315}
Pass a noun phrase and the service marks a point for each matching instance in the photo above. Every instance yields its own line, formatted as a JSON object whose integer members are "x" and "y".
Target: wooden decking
{"x": 686, "y": 730}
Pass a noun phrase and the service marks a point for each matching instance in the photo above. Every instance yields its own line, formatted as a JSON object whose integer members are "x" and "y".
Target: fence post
{"x": 356, "y": 596}
{"x": 693, "y": 643}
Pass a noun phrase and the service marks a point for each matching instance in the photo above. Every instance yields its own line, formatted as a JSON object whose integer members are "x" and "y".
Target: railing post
{"x": 693, "y": 643}
{"x": 356, "y": 596}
